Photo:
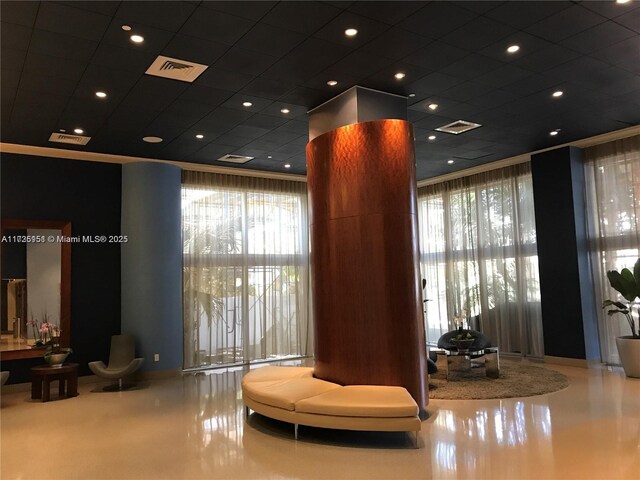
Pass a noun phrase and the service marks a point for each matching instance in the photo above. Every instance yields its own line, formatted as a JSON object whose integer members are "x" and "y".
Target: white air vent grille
{"x": 457, "y": 127}
{"x": 235, "y": 159}
{"x": 175, "y": 69}
{"x": 71, "y": 139}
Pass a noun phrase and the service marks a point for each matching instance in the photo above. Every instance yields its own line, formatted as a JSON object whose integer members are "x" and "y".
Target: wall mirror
{"x": 36, "y": 285}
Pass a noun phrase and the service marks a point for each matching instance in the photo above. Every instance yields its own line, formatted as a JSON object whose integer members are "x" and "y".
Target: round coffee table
{"x": 43, "y": 375}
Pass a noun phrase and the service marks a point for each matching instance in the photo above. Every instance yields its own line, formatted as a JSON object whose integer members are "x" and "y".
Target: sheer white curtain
{"x": 613, "y": 207}
{"x": 479, "y": 258}
{"x": 246, "y": 260}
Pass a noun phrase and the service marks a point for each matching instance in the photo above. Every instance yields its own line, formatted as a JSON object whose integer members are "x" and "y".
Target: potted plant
{"x": 627, "y": 283}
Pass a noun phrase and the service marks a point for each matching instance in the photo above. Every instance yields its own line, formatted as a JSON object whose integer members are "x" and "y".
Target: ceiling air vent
{"x": 235, "y": 159}
{"x": 71, "y": 139}
{"x": 175, "y": 69}
{"x": 459, "y": 126}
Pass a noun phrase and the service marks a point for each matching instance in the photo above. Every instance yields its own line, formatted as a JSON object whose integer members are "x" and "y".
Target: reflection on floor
{"x": 9, "y": 342}
{"x": 193, "y": 427}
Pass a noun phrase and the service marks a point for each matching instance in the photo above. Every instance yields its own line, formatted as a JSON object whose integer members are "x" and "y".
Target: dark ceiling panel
{"x": 565, "y": 23}
{"x": 216, "y": 26}
{"x": 279, "y": 55}
{"x": 395, "y": 43}
{"x": 21, "y": 13}
{"x": 245, "y": 61}
{"x": 246, "y": 9}
{"x": 367, "y": 30}
{"x": 301, "y": 17}
{"x": 437, "y": 19}
{"x": 15, "y": 36}
{"x": 61, "y": 46}
{"x": 53, "y": 67}
{"x": 165, "y": 15}
{"x": 270, "y": 40}
{"x": 71, "y": 21}
{"x": 521, "y": 15}
{"x": 193, "y": 49}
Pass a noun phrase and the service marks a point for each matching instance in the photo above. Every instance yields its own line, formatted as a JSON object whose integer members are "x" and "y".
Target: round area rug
{"x": 516, "y": 380}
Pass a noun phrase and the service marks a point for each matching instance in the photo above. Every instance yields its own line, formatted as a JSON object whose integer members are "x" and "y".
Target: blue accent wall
{"x": 88, "y": 195}
{"x": 152, "y": 262}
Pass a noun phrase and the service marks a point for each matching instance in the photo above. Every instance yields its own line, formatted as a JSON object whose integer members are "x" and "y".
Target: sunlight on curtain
{"x": 613, "y": 207}
{"x": 479, "y": 257}
{"x": 246, "y": 260}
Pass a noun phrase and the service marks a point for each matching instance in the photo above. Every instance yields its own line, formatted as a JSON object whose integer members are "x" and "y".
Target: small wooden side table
{"x": 43, "y": 375}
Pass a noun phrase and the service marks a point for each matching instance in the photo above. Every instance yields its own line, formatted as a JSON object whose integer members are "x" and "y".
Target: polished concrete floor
{"x": 193, "y": 427}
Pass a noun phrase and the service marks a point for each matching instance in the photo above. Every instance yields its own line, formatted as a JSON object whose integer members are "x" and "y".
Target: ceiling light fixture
{"x": 412, "y": 94}
{"x": 199, "y": 136}
{"x": 622, "y": 1}
{"x": 450, "y": 162}
{"x": 513, "y": 48}
{"x": 332, "y": 83}
{"x": 433, "y": 107}
{"x": 79, "y": 131}
{"x": 269, "y": 156}
{"x": 101, "y": 95}
{"x": 285, "y": 110}
{"x": 62, "y": 130}
{"x": 137, "y": 38}
{"x": 555, "y": 132}
{"x": 351, "y": 32}
{"x": 126, "y": 28}
{"x": 152, "y": 139}
{"x": 246, "y": 104}
{"x": 557, "y": 93}
{"x": 431, "y": 138}
{"x": 399, "y": 75}
{"x": 287, "y": 165}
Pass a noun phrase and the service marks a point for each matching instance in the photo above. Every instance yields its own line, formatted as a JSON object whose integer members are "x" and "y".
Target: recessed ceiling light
{"x": 622, "y": 1}
{"x": 431, "y": 138}
{"x": 432, "y": 106}
{"x": 101, "y": 95}
{"x": 449, "y": 162}
{"x": 412, "y": 94}
{"x": 62, "y": 130}
{"x": 399, "y": 75}
{"x": 137, "y": 38}
{"x": 287, "y": 165}
{"x": 351, "y": 32}
{"x": 199, "y": 136}
{"x": 269, "y": 156}
{"x": 79, "y": 131}
{"x": 152, "y": 139}
{"x": 246, "y": 104}
{"x": 553, "y": 133}
{"x": 332, "y": 83}
{"x": 513, "y": 48}
{"x": 285, "y": 110}
{"x": 557, "y": 93}
{"x": 126, "y": 28}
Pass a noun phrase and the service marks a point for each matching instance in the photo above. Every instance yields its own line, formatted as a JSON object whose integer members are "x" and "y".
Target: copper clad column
{"x": 364, "y": 253}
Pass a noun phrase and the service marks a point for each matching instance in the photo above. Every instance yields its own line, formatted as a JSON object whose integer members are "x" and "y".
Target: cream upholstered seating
{"x": 292, "y": 394}
{"x": 122, "y": 361}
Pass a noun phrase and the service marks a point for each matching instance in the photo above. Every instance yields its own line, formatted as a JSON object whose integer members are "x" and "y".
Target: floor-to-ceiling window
{"x": 479, "y": 258}
{"x": 245, "y": 269}
{"x": 613, "y": 203}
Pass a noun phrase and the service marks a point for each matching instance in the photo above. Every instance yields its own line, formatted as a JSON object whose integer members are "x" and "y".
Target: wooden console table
{"x": 43, "y": 375}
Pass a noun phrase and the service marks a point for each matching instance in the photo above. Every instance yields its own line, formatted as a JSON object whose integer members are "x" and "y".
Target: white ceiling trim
{"x": 122, "y": 159}
{"x": 585, "y": 142}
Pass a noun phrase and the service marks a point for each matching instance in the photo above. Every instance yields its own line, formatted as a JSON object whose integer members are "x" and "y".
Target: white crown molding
{"x": 122, "y": 159}
{"x": 585, "y": 142}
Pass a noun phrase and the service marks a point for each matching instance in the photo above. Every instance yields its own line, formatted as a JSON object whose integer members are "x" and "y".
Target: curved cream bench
{"x": 294, "y": 395}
